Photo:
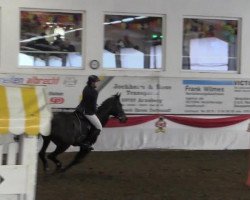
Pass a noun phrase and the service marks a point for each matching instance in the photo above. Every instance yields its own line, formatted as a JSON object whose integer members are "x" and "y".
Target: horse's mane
{"x": 109, "y": 100}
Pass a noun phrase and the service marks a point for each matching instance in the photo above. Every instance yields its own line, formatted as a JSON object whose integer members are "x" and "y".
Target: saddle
{"x": 82, "y": 127}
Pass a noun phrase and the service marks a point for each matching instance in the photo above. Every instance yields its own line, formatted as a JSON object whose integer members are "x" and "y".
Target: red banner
{"x": 189, "y": 121}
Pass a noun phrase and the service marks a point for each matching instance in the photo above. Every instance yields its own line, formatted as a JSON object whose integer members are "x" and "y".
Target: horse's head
{"x": 115, "y": 107}
{"x": 117, "y": 110}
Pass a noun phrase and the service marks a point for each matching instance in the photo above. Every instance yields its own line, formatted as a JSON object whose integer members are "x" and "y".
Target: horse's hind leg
{"x": 46, "y": 141}
{"x": 78, "y": 158}
{"x": 52, "y": 156}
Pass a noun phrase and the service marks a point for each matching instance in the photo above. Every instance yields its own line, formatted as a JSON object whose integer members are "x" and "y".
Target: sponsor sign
{"x": 56, "y": 100}
{"x": 147, "y": 95}
{"x": 70, "y": 81}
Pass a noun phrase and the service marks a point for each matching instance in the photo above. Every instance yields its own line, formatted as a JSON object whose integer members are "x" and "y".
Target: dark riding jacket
{"x": 88, "y": 104}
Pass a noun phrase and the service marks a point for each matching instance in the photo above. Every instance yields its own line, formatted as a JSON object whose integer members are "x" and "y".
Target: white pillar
{"x": 28, "y": 156}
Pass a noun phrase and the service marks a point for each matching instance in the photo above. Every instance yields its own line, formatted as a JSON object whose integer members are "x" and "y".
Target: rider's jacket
{"x": 88, "y": 103}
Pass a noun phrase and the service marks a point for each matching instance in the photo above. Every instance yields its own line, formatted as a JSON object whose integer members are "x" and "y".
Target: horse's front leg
{"x": 42, "y": 153}
{"x": 53, "y": 156}
{"x": 78, "y": 158}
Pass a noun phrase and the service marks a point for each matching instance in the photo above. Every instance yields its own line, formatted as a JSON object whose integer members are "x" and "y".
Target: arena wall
{"x": 173, "y": 10}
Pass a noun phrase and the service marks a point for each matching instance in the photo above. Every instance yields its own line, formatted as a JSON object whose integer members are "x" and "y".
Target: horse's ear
{"x": 118, "y": 94}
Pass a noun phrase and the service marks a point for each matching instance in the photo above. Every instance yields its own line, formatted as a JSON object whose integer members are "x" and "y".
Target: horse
{"x": 67, "y": 127}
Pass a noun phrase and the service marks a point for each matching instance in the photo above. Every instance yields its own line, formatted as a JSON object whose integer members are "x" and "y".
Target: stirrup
{"x": 87, "y": 146}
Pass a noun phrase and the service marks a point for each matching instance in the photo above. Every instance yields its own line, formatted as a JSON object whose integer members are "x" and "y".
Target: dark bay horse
{"x": 67, "y": 127}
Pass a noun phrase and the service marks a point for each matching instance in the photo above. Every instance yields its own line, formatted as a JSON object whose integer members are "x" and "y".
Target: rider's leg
{"x": 92, "y": 137}
{"x": 94, "y": 121}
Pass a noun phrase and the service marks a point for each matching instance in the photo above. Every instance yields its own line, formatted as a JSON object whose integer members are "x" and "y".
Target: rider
{"x": 88, "y": 107}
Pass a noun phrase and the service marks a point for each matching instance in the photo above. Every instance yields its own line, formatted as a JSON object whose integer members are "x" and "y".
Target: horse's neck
{"x": 103, "y": 116}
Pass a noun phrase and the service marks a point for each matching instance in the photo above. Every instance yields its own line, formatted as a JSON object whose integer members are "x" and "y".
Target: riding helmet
{"x": 93, "y": 78}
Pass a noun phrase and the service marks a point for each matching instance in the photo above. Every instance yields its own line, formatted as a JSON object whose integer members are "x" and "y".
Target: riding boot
{"x": 87, "y": 145}
{"x": 80, "y": 139}
{"x": 92, "y": 137}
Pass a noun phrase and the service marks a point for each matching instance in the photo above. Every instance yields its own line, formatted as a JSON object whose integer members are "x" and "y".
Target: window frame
{"x": 82, "y": 44}
{"x": 163, "y": 41}
{"x": 238, "y": 43}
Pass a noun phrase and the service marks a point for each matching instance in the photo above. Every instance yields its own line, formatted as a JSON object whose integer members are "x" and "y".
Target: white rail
{"x": 18, "y": 164}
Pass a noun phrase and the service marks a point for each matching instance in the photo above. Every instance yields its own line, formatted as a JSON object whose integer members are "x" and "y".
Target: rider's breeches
{"x": 95, "y": 121}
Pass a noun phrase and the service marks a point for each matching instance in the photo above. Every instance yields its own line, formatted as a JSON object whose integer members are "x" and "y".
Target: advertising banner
{"x": 147, "y": 95}
{"x": 169, "y": 113}
{"x": 181, "y": 96}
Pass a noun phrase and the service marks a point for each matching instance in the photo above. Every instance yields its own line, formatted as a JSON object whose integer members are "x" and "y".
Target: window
{"x": 50, "y": 39}
{"x": 132, "y": 42}
{"x": 210, "y": 44}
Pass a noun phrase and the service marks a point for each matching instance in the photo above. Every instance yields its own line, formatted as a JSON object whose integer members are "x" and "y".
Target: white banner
{"x": 152, "y": 95}
{"x": 174, "y": 136}
{"x": 148, "y": 95}
{"x": 180, "y": 96}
